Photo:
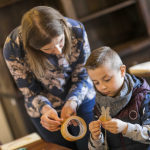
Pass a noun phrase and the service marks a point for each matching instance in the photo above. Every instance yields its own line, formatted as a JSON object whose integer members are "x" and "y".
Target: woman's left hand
{"x": 68, "y": 110}
{"x": 115, "y": 126}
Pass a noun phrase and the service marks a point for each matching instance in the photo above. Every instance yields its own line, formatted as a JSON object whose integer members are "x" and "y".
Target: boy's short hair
{"x": 103, "y": 56}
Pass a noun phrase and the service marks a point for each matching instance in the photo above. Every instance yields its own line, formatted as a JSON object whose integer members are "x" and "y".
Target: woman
{"x": 45, "y": 55}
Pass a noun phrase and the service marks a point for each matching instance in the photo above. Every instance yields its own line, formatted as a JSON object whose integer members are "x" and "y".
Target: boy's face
{"x": 108, "y": 82}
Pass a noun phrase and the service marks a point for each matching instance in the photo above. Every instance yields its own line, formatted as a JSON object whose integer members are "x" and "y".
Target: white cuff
{"x": 97, "y": 142}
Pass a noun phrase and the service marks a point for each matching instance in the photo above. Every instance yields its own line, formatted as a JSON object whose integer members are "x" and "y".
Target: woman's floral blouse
{"x": 69, "y": 81}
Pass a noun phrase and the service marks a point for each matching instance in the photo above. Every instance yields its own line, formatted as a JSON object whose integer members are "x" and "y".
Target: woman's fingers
{"x": 51, "y": 129}
{"x": 74, "y": 122}
{"x": 56, "y": 118}
{"x": 48, "y": 124}
{"x": 69, "y": 109}
{"x": 51, "y": 125}
{"x": 50, "y": 121}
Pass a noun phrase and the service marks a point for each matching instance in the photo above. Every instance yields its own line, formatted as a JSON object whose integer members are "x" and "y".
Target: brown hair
{"x": 39, "y": 26}
{"x": 103, "y": 56}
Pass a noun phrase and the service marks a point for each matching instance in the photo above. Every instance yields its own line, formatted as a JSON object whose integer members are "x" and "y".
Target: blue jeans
{"x": 85, "y": 112}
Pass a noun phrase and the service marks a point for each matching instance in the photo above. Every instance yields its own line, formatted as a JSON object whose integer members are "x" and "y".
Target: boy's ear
{"x": 123, "y": 70}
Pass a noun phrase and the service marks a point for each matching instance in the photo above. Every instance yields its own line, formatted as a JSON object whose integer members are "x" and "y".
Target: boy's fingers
{"x": 95, "y": 130}
{"x": 94, "y": 126}
{"x": 98, "y": 120}
{"x": 96, "y": 133}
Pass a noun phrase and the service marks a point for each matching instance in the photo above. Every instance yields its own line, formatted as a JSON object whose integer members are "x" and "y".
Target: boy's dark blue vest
{"x": 130, "y": 113}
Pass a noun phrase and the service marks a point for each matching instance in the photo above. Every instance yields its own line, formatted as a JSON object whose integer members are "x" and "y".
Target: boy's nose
{"x": 103, "y": 87}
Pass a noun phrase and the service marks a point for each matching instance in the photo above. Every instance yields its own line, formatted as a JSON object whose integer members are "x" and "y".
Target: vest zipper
{"x": 122, "y": 141}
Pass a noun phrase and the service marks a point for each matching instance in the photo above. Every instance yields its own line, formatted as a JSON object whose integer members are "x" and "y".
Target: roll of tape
{"x": 82, "y": 126}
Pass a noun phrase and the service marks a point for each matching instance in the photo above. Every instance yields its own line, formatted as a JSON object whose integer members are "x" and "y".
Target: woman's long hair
{"x": 39, "y": 26}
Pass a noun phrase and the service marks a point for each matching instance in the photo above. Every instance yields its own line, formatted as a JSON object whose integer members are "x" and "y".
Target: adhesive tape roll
{"x": 82, "y": 126}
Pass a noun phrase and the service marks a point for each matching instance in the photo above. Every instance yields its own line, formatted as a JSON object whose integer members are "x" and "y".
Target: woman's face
{"x": 56, "y": 46}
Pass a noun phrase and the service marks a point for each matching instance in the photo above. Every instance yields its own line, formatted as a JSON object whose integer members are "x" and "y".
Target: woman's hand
{"x": 115, "y": 126}
{"x": 68, "y": 110}
{"x": 95, "y": 129}
{"x": 50, "y": 119}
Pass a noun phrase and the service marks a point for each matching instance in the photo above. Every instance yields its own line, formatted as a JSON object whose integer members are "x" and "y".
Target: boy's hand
{"x": 115, "y": 126}
{"x": 95, "y": 129}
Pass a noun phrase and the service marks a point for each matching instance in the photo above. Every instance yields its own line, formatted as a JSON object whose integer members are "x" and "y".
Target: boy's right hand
{"x": 95, "y": 129}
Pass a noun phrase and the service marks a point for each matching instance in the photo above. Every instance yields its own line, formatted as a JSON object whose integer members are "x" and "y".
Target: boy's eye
{"x": 96, "y": 83}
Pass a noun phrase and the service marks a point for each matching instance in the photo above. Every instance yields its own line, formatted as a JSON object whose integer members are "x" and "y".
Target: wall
{"x": 5, "y": 132}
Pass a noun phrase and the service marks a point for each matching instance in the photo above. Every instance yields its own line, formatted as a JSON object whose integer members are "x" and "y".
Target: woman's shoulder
{"x": 16, "y": 33}
{"x": 13, "y": 43}
{"x": 77, "y": 28}
{"x": 73, "y": 23}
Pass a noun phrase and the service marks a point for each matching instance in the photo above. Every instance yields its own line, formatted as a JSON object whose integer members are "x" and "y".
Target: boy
{"x": 128, "y": 98}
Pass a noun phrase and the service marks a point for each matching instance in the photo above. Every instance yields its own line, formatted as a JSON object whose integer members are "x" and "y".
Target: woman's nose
{"x": 58, "y": 49}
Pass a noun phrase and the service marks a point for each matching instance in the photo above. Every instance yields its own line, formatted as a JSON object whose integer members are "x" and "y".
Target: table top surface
{"x": 43, "y": 145}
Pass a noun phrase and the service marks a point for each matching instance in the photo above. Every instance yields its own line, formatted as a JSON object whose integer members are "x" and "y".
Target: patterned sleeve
{"x": 25, "y": 80}
{"x": 80, "y": 79}
{"x": 141, "y": 133}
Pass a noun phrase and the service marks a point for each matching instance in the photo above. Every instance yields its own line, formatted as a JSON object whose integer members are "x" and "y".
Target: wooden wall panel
{"x": 8, "y": 101}
{"x": 10, "y": 15}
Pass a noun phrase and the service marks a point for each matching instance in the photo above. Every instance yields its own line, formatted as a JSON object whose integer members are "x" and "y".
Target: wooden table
{"x": 43, "y": 145}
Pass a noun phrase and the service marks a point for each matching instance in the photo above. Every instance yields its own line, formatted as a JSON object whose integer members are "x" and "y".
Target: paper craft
{"x": 105, "y": 117}
{"x": 105, "y": 114}
{"x": 21, "y": 142}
